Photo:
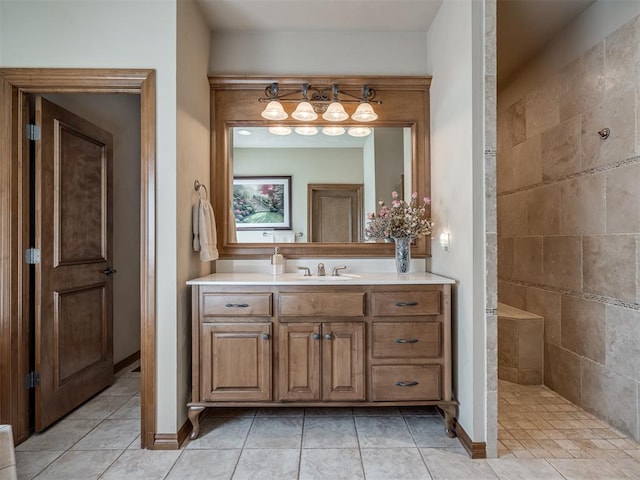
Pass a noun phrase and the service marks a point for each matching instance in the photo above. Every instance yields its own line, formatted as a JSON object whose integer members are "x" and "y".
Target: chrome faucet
{"x": 336, "y": 269}
{"x": 307, "y": 272}
{"x": 321, "y": 270}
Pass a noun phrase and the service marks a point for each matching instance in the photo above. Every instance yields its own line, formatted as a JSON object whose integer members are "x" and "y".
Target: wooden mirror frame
{"x": 234, "y": 103}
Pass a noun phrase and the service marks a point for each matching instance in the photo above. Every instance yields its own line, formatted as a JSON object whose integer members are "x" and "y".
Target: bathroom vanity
{"x": 352, "y": 340}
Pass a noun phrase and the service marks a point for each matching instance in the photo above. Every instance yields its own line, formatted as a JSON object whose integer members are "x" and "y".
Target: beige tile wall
{"x": 569, "y": 224}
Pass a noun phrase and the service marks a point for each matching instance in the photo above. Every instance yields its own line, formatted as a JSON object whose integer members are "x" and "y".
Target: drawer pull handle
{"x": 406, "y": 384}
{"x": 406, "y": 304}
{"x": 237, "y": 305}
{"x": 406, "y": 340}
{"x": 265, "y": 336}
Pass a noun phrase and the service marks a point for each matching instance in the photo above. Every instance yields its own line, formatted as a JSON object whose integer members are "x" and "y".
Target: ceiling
{"x": 523, "y": 28}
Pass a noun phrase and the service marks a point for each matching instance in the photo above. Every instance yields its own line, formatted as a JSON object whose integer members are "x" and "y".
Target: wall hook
{"x": 604, "y": 133}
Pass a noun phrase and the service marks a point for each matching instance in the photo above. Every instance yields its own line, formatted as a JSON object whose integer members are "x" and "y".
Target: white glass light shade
{"x": 304, "y": 112}
{"x": 359, "y": 131}
{"x": 280, "y": 130}
{"x": 364, "y": 113}
{"x": 333, "y": 131}
{"x": 335, "y": 113}
{"x": 274, "y": 111}
{"x": 306, "y": 130}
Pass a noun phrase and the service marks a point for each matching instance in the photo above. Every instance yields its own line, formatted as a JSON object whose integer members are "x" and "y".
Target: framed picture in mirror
{"x": 262, "y": 202}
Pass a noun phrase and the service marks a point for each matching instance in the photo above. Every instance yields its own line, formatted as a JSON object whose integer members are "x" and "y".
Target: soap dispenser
{"x": 277, "y": 263}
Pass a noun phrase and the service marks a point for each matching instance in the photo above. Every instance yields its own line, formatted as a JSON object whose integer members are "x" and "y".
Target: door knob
{"x": 109, "y": 271}
{"x": 328, "y": 336}
{"x": 316, "y": 336}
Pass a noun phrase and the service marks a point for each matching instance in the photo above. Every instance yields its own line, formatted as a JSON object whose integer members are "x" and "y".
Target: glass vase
{"x": 403, "y": 254}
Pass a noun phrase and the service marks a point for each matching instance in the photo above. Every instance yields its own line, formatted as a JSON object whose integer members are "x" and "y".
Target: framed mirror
{"x": 332, "y": 180}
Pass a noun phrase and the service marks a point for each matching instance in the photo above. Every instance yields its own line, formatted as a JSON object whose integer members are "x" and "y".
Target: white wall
{"x": 456, "y": 185}
{"x": 108, "y": 34}
{"x": 120, "y": 115}
{"x": 305, "y": 165}
{"x": 193, "y": 162}
{"x": 318, "y": 53}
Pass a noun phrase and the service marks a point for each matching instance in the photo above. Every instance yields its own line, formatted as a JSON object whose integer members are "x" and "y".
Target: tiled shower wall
{"x": 569, "y": 224}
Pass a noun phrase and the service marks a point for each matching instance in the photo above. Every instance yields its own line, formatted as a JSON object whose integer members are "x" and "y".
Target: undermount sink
{"x": 315, "y": 278}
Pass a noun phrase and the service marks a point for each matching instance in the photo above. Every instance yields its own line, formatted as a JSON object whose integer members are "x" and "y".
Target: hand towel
{"x": 204, "y": 231}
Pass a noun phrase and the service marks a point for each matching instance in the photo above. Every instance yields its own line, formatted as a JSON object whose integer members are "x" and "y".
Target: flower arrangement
{"x": 401, "y": 219}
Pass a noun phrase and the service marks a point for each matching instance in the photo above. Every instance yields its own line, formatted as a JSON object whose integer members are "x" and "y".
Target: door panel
{"x": 335, "y": 213}
{"x": 343, "y": 361}
{"x": 73, "y": 296}
{"x": 299, "y": 355}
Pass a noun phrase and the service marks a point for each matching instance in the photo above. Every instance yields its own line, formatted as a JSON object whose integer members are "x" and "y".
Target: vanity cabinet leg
{"x": 449, "y": 416}
{"x": 194, "y": 417}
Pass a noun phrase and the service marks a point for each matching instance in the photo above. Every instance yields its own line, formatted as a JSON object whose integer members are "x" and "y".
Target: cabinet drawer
{"x": 405, "y": 382}
{"x": 322, "y": 304}
{"x": 410, "y": 339}
{"x": 406, "y": 303}
{"x": 236, "y": 304}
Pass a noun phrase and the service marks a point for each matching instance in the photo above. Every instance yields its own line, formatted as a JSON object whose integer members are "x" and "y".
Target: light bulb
{"x": 306, "y": 130}
{"x": 333, "y": 131}
{"x": 335, "y": 113}
{"x": 280, "y": 130}
{"x": 304, "y": 112}
{"x": 359, "y": 131}
{"x": 274, "y": 111}
{"x": 364, "y": 113}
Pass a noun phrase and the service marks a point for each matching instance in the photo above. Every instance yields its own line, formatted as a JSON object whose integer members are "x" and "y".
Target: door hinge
{"x": 32, "y": 380}
{"x": 32, "y": 256}
{"x": 32, "y": 131}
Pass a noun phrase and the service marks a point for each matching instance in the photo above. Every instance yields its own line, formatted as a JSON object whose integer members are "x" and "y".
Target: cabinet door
{"x": 299, "y": 361}
{"x": 343, "y": 361}
{"x": 236, "y": 361}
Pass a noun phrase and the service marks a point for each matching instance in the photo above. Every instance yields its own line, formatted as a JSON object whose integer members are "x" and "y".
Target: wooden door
{"x": 73, "y": 281}
{"x": 343, "y": 361}
{"x": 299, "y": 355}
{"x": 235, "y": 361}
{"x": 334, "y": 213}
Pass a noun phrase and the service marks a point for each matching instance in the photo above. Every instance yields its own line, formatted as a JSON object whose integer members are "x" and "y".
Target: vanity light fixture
{"x": 359, "y": 131}
{"x": 313, "y": 100}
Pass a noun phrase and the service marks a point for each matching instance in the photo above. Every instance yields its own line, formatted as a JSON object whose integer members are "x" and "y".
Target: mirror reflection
{"x": 314, "y": 188}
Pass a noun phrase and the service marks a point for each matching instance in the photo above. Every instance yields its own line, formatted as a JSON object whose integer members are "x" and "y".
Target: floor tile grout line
{"x": 355, "y": 428}
{"x": 235, "y": 467}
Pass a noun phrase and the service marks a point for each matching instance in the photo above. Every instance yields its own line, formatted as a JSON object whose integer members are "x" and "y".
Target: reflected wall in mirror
{"x": 349, "y": 176}
{"x": 379, "y": 162}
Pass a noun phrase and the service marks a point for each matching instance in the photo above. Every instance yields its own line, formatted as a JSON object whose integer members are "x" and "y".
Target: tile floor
{"x": 542, "y": 436}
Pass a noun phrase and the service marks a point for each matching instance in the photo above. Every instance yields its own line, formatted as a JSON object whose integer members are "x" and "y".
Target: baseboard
{"x": 474, "y": 449}
{"x": 172, "y": 441}
{"x": 125, "y": 362}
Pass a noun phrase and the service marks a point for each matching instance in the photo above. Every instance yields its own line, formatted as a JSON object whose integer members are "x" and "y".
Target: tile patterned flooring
{"x": 541, "y": 436}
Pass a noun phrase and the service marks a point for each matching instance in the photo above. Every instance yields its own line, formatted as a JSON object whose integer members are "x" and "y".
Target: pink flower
{"x": 394, "y": 194}
{"x": 414, "y": 195}
{"x": 427, "y": 200}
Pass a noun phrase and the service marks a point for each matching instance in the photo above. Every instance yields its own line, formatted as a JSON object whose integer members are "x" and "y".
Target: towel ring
{"x": 197, "y": 185}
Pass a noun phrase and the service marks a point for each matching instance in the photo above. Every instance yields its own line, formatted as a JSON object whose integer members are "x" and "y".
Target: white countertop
{"x": 422, "y": 278}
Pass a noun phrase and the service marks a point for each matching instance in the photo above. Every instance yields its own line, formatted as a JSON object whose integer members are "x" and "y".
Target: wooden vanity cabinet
{"x": 315, "y": 345}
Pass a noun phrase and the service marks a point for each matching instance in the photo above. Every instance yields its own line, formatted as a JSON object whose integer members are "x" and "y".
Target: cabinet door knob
{"x": 265, "y": 336}
{"x": 328, "y": 336}
{"x": 406, "y": 384}
{"x": 406, "y": 340}
{"x": 406, "y": 304}
{"x": 316, "y": 336}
